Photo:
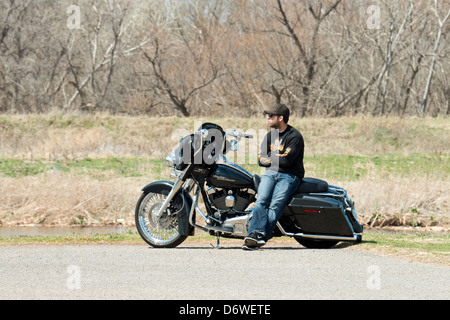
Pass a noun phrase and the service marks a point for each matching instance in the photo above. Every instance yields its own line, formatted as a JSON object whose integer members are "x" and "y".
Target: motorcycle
{"x": 318, "y": 215}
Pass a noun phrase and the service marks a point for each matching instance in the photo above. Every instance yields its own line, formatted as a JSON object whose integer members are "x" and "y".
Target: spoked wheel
{"x": 159, "y": 231}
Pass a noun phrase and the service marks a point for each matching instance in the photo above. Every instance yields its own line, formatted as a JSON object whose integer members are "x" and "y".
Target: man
{"x": 282, "y": 154}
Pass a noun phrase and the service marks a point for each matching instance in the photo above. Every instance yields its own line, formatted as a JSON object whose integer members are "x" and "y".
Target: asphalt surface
{"x": 198, "y": 271}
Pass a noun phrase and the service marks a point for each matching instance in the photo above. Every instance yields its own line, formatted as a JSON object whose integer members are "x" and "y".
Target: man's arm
{"x": 264, "y": 154}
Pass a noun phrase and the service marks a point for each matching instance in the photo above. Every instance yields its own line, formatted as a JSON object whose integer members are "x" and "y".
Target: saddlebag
{"x": 319, "y": 215}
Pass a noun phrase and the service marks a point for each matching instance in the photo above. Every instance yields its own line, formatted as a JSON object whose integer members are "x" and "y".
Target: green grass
{"x": 95, "y": 168}
{"x": 355, "y": 167}
{"x": 438, "y": 244}
{"x": 112, "y": 238}
{"x": 352, "y": 168}
{"x": 129, "y": 237}
{"x": 340, "y": 167}
{"x": 416, "y": 247}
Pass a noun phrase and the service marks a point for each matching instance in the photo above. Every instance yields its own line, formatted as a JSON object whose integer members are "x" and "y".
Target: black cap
{"x": 279, "y": 109}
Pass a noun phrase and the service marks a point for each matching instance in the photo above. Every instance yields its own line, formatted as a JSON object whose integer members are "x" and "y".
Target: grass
{"x": 413, "y": 246}
{"x": 348, "y": 167}
{"x": 128, "y": 238}
{"x": 338, "y": 167}
{"x": 88, "y": 170}
{"x": 99, "y": 168}
{"x": 438, "y": 244}
{"x": 75, "y": 136}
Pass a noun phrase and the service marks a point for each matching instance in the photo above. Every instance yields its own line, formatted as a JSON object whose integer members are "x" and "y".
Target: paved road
{"x": 197, "y": 271}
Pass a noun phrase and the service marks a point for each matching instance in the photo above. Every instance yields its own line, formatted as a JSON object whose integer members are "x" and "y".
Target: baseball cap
{"x": 278, "y": 109}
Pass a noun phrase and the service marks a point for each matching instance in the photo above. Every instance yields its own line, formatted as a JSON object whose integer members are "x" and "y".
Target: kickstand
{"x": 218, "y": 241}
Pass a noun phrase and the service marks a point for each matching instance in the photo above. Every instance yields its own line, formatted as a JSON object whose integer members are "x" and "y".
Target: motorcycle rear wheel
{"x": 157, "y": 231}
{"x": 316, "y": 244}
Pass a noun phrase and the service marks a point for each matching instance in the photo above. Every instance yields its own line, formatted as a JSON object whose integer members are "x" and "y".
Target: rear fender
{"x": 164, "y": 186}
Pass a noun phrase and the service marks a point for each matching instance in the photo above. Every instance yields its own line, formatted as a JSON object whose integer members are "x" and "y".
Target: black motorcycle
{"x": 318, "y": 215}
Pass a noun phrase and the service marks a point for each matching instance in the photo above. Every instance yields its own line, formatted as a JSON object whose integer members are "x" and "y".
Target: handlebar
{"x": 238, "y": 134}
{"x": 203, "y": 133}
{"x": 234, "y": 133}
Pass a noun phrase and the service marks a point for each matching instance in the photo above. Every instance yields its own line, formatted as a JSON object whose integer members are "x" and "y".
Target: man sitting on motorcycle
{"x": 282, "y": 154}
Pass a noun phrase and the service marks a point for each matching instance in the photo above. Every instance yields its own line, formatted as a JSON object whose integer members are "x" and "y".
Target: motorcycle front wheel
{"x": 158, "y": 231}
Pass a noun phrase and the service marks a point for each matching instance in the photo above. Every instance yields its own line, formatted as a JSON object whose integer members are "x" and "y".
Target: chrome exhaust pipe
{"x": 355, "y": 237}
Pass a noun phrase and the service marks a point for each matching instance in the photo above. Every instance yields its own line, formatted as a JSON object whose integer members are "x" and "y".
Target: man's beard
{"x": 275, "y": 125}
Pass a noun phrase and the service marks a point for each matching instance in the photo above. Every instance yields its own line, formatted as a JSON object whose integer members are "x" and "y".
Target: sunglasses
{"x": 270, "y": 115}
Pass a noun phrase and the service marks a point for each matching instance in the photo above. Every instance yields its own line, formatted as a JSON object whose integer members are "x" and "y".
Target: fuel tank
{"x": 230, "y": 177}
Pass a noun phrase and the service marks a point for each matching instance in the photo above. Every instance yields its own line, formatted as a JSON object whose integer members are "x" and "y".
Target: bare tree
{"x": 308, "y": 57}
{"x": 437, "y": 42}
{"x": 219, "y": 57}
{"x": 180, "y": 56}
{"x": 179, "y": 100}
{"x": 105, "y": 33}
{"x": 393, "y": 39}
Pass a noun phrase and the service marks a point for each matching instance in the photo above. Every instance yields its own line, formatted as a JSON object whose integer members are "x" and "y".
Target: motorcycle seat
{"x": 312, "y": 185}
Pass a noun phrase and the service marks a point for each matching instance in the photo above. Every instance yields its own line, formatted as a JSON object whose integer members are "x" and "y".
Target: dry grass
{"x": 52, "y": 136}
{"x": 397, "y": 201}
{"x": 54, "y": 199}
{"x": 68, "y": 198}
{"x": 65, "y": 200}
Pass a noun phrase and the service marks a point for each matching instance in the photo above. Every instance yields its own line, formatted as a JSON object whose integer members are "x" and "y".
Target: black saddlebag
{"x": 319, "y": 215}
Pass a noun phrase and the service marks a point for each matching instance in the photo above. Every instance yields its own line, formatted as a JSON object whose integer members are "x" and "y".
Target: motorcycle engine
{"x": 231, "y": 199}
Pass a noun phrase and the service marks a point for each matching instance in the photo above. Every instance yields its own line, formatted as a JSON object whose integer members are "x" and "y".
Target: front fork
{"x": 176, "y": 187}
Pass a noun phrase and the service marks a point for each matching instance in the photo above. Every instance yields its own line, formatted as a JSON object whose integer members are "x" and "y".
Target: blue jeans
{"x": 274, "y": 191}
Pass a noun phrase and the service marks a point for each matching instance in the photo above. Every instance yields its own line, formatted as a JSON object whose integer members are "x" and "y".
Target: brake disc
{"x": 162, "y": 221}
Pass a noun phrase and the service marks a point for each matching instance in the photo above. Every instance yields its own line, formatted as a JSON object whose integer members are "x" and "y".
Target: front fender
{"x": 158, "y": 186}
{"x": 164, "y": 186}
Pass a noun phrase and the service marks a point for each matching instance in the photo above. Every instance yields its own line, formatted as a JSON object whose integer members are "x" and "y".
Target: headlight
{"x": 170, "y": 161}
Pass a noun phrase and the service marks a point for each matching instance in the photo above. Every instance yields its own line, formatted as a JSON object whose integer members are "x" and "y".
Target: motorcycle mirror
{"x": 202, "y": 132}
